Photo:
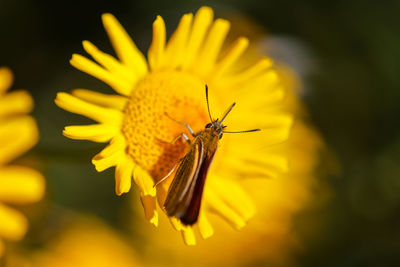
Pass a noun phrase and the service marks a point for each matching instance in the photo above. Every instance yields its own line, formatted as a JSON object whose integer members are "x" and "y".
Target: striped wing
{"x": 181, "y": 191}
{"x": 192, "y": 212}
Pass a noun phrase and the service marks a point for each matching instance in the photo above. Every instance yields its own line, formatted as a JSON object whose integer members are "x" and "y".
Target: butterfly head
{"x": 216, "y": 125}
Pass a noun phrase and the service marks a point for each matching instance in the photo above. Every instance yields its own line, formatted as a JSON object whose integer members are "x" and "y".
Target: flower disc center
{"x": 149, "y": 126}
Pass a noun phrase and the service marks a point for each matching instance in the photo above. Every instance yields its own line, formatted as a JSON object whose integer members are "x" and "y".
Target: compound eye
{"x": 209, "y": 125}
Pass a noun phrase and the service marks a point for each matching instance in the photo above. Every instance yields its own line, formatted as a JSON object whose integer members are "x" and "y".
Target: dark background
{"x": 354, "y": 102}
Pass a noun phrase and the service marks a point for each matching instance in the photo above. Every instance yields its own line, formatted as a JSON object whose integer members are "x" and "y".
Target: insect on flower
{"x": 171, "y": 80}
{"x": 185, "y": 193}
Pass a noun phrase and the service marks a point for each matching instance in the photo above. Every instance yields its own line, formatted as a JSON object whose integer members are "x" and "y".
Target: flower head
{"x": 272, "y": 237}
{"x": 84, "y": 241}
{"x": 18, "y": 184}
{"x": 139, "y": 122}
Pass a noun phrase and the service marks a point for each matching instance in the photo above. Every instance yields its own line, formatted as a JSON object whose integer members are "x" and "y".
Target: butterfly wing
{"x": 192, "y": 212}
{"x": 181, "y": 190}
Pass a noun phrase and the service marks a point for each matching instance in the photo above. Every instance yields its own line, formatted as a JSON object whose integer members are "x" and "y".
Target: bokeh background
{"x": 348, "y": 56}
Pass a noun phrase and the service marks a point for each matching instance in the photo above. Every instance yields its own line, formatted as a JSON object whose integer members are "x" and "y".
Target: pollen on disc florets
{"x": 148, "y": 127}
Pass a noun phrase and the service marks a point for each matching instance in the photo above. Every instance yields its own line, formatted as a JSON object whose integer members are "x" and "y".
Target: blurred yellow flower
{"x": 85, "y": 242}
{"x": 271, "y": 238}
{"x": 172, "y": 82}
{"x": 82, "y": 241}
{"x": 18, "y": 184}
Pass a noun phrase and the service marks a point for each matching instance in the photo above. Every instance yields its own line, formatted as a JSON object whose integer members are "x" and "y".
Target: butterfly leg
{"x": 182, "y": 135}
{"x": 184, "y": 124}
{"x": 166, "y": 176}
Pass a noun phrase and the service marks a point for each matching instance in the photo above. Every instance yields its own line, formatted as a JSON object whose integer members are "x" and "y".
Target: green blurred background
{"x": 352, "y": 93}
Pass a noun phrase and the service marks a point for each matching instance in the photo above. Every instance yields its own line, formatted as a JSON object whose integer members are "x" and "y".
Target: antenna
{"x": 208, "y": 106}
{"x": 227, "y": 112}
{"x": 247, "y": 131}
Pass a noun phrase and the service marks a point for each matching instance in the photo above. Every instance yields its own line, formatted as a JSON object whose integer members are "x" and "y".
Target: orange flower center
{"x": 149, "y": 127}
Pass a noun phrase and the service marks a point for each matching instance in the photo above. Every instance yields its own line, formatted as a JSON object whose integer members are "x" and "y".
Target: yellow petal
{"x": 13, "y": 224}
{"x": 111, "y": 154}
{"x": 116, "y": 145}
{"x": 240, "y": 168}
{"x": 215, "y": 204}
{"x": 267, "y": 122}
{"x": 178, "y": 226}
{"x": 120, "y": 86}
{"x": 267, "y": 137}
{"x": 20, "y": 185}
{"x": 102, "y": 162}
{"x": 186, "y": 231}
{"x": 188, "y": 236}
{"x": 232, "y": 195}
{"x": 123, "y": 176}
{"x": 210, "y": 51}
{"x": 257, "y": 98}
{"x": 96, "y": 133}
{"x": 250, "y": 73}
{"x": 262, "y": 81}
{"x": 6, "y": 79}
{"x": 175, "y": 51}
{"x": 150, "y": 209}
{"x": 157, "y": 47}
{"x": 17, "y": 102}
{"x": 275, "y": 162}
{"x": 201, "y": 23}
{"x": 108, "y": 101}
{"x": 230, "y": 57}
{"x": 110, "y": 63}
{"x": 16, "y": 137}
{"x": 144, "y": 181}
{"x": 261, "y": 158}
{"x": 124, "y": 46}
{"x": 205, "y": 228}
{"x": 274, "y": 96}
{"x": 78, "y": 106}
{"x": 275, "y": 136}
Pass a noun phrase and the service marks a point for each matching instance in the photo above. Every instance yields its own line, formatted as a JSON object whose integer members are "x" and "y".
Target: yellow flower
{"x": 86, "y": 242}
{"x": 137, "y": 122}
{"x": 81, "y": 241}
{"x": 18, "y": 184}
{"x": 270, "y": 238}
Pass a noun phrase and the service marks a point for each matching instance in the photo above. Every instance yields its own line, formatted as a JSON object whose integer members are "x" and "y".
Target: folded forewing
{"x": 181, "y": 190}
